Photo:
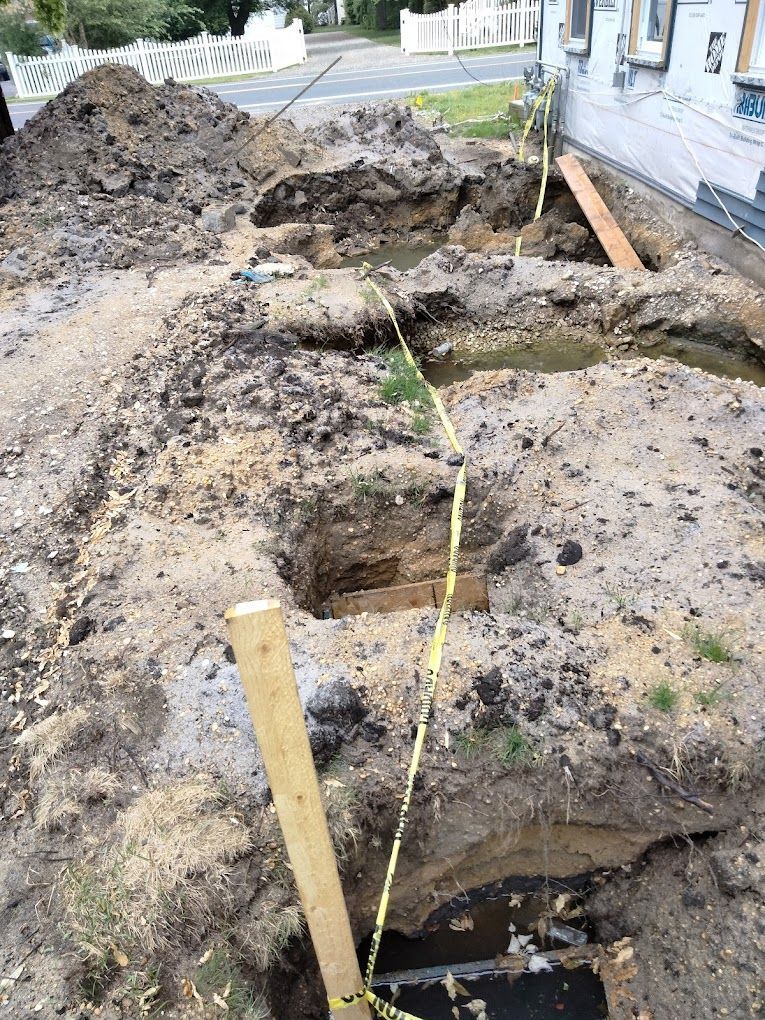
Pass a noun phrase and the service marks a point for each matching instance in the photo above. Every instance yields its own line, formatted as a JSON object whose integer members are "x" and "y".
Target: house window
{"x": 576, "y": 37}
{"x": 650, "y": 31}
{"x": 751, "y": 54}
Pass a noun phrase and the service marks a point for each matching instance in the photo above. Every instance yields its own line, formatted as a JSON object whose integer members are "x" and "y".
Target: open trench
{"x": 517, "y": 854}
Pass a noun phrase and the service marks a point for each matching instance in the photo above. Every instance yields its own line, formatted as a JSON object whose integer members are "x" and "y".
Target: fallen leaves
{"x": 462, "y": 923}
{"x": 453, "y": 987}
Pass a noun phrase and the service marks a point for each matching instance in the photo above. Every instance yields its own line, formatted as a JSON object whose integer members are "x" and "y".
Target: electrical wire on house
{"x": 738, "y": 229}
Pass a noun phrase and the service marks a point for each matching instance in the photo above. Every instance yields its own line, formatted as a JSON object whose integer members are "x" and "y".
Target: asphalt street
{"x": 269, "y": 92}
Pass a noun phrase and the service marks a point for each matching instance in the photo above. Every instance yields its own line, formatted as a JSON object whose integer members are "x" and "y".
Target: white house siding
{"x": 634, "y": 128}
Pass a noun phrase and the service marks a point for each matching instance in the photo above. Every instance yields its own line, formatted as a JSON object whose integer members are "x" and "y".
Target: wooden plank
{"x": 469, "y": 593}
{"x": 608, "y": 231}
{"x": 259, "y": 639}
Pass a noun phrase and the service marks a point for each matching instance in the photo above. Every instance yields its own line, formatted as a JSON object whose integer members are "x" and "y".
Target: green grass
{"x": 708, "y": 699}
{"x": 421, "y": 424}
{"x": 403, "y": 385}
{"x": 474, "y": 103}
{"x": 506, "y": 743}
{"x": 220, "y": 976}
{"x": 663, "y": 696}
{"x": 386, "y": 36}
{"x": 709, "y": 644}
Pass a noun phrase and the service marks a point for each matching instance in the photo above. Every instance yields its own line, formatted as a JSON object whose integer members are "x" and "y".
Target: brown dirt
{"x": 172, "y": 446}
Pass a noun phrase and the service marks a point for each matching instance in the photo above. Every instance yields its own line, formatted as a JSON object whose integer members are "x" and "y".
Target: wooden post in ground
{"x": 259, "y": 639}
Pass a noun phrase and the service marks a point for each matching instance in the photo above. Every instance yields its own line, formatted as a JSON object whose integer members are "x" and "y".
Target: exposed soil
{"x": 178, "y": 439}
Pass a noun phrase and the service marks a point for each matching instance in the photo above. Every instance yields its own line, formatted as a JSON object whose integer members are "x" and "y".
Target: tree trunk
{"x": 238, "y": 15}
{"x": 6, "y": 125}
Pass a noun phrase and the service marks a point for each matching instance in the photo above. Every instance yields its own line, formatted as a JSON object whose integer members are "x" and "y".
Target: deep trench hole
{"x": 369, "y": 213}
{"x": 522, "y": 946}
{"x": 390, "y": 530}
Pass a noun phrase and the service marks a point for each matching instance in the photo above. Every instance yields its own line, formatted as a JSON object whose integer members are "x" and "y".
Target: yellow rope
{"x": 382, "y": 1008}
{"x": 546, "y": 94}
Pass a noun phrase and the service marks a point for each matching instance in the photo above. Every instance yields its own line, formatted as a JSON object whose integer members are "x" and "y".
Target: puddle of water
{"x": 558, "y": 356}
{"x": 710, "y": 359}
{"x": 569, "y": 356}
{"x": 576, "y": 993}
{"x": 573, "y": 994}
{"x": 400, "y": 256}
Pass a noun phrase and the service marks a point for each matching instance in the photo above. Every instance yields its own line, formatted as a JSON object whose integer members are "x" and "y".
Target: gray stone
{"x": 219, "y": 218}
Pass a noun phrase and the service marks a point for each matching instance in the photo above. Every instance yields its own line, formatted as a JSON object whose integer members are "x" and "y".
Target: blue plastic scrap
{"x": 248, "y": 274}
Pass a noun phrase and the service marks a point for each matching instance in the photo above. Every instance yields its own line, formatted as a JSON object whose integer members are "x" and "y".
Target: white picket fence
{"x": 205, "y": 56}
{"x": 471, "y": 26}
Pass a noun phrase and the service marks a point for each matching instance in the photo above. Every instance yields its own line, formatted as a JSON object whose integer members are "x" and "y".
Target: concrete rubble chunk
{"x": 219, "y": 218}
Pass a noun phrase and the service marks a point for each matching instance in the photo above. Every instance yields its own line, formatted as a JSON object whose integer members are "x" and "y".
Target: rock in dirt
{"x": 219, "y": 218}
{"x": 570, "y": 553}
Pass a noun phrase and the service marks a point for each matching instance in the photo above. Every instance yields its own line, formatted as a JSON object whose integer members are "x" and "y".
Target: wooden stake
{"x": 259, "y": 639}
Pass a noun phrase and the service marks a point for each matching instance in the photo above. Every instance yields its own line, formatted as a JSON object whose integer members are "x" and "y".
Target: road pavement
{"x": 402, "y": 76}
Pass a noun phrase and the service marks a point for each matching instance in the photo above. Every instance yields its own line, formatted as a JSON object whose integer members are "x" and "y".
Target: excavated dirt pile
{"x": 183, "y": 438}
{"x": 115, "y": 172}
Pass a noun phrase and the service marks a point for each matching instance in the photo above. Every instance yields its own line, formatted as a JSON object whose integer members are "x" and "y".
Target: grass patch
{"x": 710, "y": 645}
{"x": 508, "y": 744}
{"x": 403, "y": 384}
{"x": 708, "y": 699}
{"x": 663, "y": 696}
{"x": 476, "y": 103}
{"x": 375, "y": 487}
{"x": 385, "y": 36}
{"x": 220, "y": 976}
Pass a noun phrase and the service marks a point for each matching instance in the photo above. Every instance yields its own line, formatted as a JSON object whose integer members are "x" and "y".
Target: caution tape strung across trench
{"x": 382, "y": 1008}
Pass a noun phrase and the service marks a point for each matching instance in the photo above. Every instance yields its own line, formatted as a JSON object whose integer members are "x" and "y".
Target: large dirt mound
{"x": 115, "y": 171}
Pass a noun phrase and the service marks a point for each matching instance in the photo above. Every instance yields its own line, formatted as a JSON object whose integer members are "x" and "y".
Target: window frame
{"x": 581, "y": 47}
{"x": 752, "y": 33}
{"x": 657, "y": 58}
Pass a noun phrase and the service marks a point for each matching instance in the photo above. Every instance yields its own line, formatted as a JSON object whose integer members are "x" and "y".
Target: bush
{"x": 298, "y": 11}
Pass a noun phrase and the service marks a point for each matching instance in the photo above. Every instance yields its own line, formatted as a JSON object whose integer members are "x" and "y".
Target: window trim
{"x": 748, "y": 39}
{"x": 581, "y": 47}
{"x": 661, "y": 61}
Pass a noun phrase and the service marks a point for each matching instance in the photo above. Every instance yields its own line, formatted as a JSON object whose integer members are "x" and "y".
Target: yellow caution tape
{"x": 382, "y": 1008}
{"x": 546, "y": 94}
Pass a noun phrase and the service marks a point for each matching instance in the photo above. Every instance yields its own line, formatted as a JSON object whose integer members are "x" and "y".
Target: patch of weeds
{"x": 220, "y": 976}
{"x": 620, "y": 599}
{"x": 708, "y": 699}
{"x": 515, "y": 605}
{"x": 265, "y": 937}
{"x": 318, "y": 283}
{"x": 421, "y": 424}
{"x": 506, "y": 743}
{"x": 143, "y": 990}
{"x": 663, "y": 696}
{"x": 368, "y": 486}
{"x": 403, "y": 384}
{"x": 485, "y": 105}
{"x": 472, "y": 742}
{"x": 709, "y": 644}
{"x": 574, "y": 622}
{"x": 515, "y": 748}
{"x": 368, "y": 296}
{"x": 341, "y": 806}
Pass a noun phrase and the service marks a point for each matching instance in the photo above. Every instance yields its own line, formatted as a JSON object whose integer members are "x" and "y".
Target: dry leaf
{"x": 478, "y": 1008}
{"x": 624, "y": 954}
{"x": 120, "y": 957}
{"x": 462, "y": 923}
{"x": 205, "y": 958}
{"x": 190, "y": 990}
{"x": 515, "y": 900}
{"x": 453, "y": 987}
{"x": 455, "y": 1013}
{"x": 220, "y": 1002}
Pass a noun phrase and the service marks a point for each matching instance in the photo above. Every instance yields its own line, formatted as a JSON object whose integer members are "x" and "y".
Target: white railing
{"x": 205, "y": 56}
{"x": 473, "y": 25}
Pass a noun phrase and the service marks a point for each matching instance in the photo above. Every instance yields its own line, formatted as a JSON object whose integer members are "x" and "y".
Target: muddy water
{"x": 569, "y": 356}
{"x": 400, "y": 256}
{"x": 557, "y": 356}
{"x": 577, "y": 993}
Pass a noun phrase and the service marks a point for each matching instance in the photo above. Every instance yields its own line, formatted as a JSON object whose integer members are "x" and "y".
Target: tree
{"x": 221, "y": 16}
